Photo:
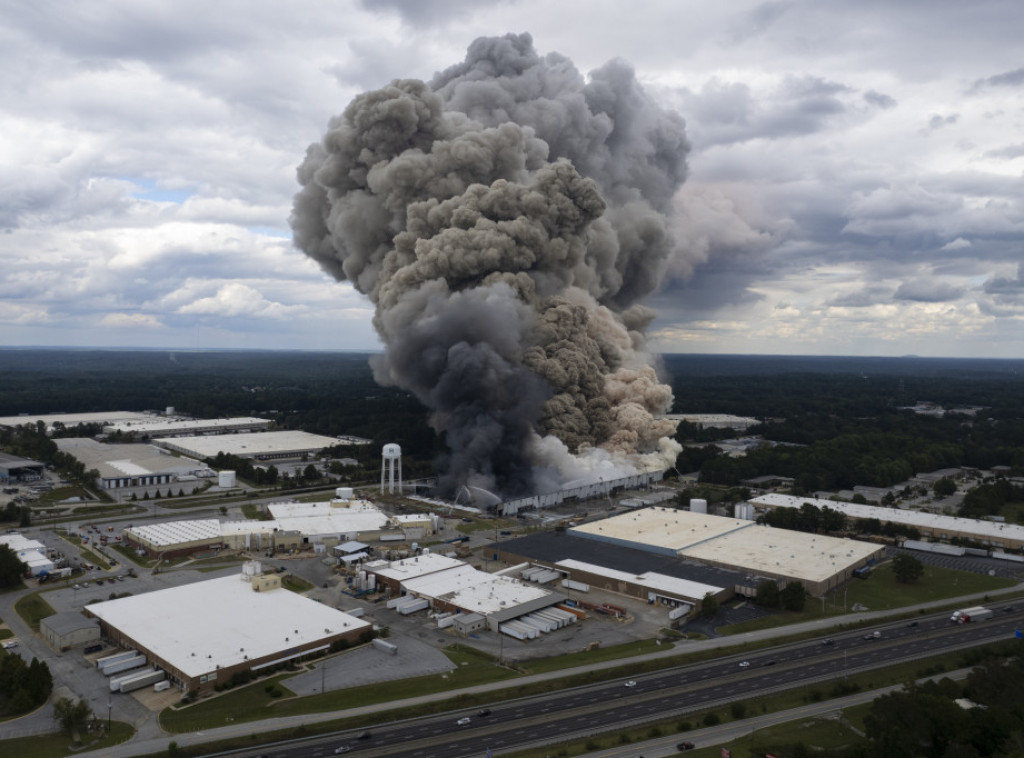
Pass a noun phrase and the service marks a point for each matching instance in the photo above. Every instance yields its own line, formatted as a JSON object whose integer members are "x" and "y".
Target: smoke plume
{"x": 507, "y": 219}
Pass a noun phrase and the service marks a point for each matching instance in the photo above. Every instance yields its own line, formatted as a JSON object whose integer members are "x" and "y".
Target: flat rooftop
{"x": 330, "y": 517}
{"x": 762, "y": 549}
{"x": 652, "y": 580}
{"x": 553, "y": 547}
{"x": 184, "y": 425}
{"x": 118, "y": 460}
{"x": 496, "y": 594}
{"x": 222, "y": 622}
{"x": 420, "y": 565}
{"x": 247, "y": 445}
{"x": 169, "y": 533}
{"x": 991, "y": 530}
{"x": 74, "y": 419}
{"x": 667, "y": 529}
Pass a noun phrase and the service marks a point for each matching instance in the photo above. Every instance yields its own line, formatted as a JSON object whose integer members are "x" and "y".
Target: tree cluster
{"x": 12, "y": 568}
{"x": 23, "y": 686}
{"x": 72, "y": 716}
{"x": 792, "y": 597}
{"x": 924, "y": 720}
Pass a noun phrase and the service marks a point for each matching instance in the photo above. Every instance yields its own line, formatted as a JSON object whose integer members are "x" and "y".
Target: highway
{"x": 666, "y": 694}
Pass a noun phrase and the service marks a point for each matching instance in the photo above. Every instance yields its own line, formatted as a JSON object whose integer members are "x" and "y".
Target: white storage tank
{"x": 344, "y": 493}
{"x": 698, "y": 505}
{"x": 744, "y": 511}
{"x": 226, "y": 478}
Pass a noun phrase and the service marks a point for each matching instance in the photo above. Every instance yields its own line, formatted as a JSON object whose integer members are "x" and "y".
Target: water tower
{"x": 391, "y": 458}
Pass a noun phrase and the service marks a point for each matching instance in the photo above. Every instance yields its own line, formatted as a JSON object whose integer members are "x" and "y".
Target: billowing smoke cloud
{"x": 506, "y": 220}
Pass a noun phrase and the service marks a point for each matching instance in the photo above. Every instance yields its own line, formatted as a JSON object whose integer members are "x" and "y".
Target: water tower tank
{"x": 390, "y": 465}
{"x": 226, "y": 478}
{"x": 698, "y": 505}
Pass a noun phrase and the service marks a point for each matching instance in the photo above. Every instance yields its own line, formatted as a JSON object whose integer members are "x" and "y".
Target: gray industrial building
{"x": 64, "y": 631}
{"x": 15, "y": 469}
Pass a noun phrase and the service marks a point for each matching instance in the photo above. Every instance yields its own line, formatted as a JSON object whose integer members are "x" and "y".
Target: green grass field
{"x": 879, "y": 592}
{"x": 58, "y": 745}
{"x": 33, "y": 609}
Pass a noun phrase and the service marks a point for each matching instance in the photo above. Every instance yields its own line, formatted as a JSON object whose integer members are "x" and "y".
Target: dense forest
{"x": 829, "y": 423}
{"x": 832, "y": 423}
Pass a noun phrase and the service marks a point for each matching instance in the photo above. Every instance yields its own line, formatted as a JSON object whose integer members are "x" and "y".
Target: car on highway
{"x": 685, "y": 746}
{"x": 631, "y": 683}
{"x": 829, "y": 641}
{"x": 464, "y": 721}
{"x": 342, "y": 749}
{"x": 744, "y": 664}
{"x": 483, "y": 712}
{"x": 365, "y": 736}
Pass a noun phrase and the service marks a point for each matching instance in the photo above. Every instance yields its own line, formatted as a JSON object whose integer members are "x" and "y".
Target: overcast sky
{"x": 855, "y": 178}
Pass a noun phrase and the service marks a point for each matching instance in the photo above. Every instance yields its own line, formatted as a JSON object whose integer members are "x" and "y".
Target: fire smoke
{"x": 507, "y": 219}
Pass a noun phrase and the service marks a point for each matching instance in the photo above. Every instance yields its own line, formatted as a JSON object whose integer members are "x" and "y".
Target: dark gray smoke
{"x": 506, "y": 220}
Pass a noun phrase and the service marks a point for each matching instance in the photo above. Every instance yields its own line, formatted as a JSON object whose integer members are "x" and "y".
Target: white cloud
{"x": 854, "y": 182}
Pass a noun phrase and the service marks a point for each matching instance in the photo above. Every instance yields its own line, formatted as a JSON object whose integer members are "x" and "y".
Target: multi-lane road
{"x": 669, "y": 693}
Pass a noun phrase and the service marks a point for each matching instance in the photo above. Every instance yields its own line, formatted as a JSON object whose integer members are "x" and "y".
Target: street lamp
{"x": 109, "y": 706}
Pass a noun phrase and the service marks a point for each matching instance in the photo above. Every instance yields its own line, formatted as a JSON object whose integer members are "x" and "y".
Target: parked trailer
{"x": 570, "y": 584}
{"x": 420, "y": 604}
{"x": 108, "y": 659}
{"x": 445, "y": 622}
{"x": 566, "y": 616}
{"x": 116, "y": 681}
{"x": 128, "y": 665}
{"x": 539, "y": 624}
{"x": 679, "y": 611}
{"x": 142, "y": 680}
{"x": 511, "y": 631}
{"x": 1008, "y": 556}
{"x": 161, "y": 686}
{"x": 577, "y": 612}
{"x": 547, "y": 576}
{"x": 934, "y": 547}
{"x": 385, "y": 646}
{"x": 557, "y": 622}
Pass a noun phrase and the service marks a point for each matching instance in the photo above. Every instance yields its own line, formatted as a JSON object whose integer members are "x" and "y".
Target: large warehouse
{"x": 15, "y": 469}
{"x": 293, "y": 525}
{"x": 134, "y": 467}
{"x": 818, "y": 561}
{"x": 452, "y": 586}
{"x": 74, "y": 419}
{"x": 164, "y": 427}
{"x": 261, "y": 446}
{"x": 932, "y": 526}
{"x": 204, "y": 633}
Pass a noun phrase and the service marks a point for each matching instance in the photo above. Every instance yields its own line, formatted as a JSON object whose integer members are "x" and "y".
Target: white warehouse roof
{"x": 669, "y": 530}
{"x": 494, "y": 594}
{"x": 989, "y": 530}
{"x": 420, "y": 565}
{"x": 171, "y": 533}
{"x": 221, "y": 622}
{"x": 762, "y": 549}
{"x": 653, "y": 581}
{"x": 74, "y": 419}
{"x": 177, "y": 426}
{"x": 252, "y": 445}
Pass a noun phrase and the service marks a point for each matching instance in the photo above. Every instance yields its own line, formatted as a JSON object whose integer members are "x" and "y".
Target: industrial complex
{"x": 746, "y": 551}
{"x": 205, "y": 633}
{"x": 292, "y": 526}
{"x": 932, "y": 526}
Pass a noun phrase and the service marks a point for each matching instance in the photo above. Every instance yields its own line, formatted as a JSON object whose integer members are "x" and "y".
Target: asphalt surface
{"x": 145, "y": 744}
